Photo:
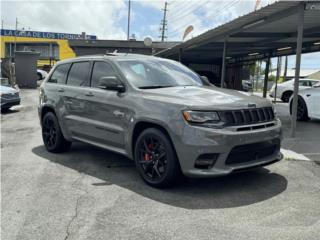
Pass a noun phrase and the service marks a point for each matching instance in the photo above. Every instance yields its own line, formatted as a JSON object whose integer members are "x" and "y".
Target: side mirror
{"x": 205, "y": 80}
{"x": 111, "y": 83}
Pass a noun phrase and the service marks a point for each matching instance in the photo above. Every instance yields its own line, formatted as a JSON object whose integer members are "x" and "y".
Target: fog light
{"x": 206, "y": 161}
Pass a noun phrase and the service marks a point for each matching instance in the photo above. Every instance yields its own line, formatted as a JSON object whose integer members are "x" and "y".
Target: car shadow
{"x": 9, "y": 111}
{"x": 235, "y": 190}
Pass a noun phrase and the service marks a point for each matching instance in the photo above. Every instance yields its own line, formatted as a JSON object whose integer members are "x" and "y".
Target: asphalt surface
{"x": 89, "y": 193}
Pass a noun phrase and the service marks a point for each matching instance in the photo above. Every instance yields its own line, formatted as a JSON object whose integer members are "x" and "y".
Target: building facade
{"x": 51, "y": 46}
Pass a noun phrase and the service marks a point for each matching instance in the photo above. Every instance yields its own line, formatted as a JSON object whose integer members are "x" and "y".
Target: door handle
{"x": 308, "y": 95}
{"x": 118, "y": 113}
{"x": 89, "y": 94}
{"x": 60, "y": 90}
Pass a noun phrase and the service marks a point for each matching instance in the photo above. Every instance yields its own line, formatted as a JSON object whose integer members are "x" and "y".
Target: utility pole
{"x": 164, "y": 22}
{"x": 297, "y": 70}
{"x": 129, "y": 10}
{"x": 15, "y": 39}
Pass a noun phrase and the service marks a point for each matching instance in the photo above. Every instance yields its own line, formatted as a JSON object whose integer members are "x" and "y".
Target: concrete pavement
{"x": 90, "y": 193}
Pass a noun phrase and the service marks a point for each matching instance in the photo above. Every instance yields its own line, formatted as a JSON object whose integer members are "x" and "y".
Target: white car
{"x": 41, "y": 74}
{"x": 285, "y": 89}
{"x": 9, "y": 97}
{"x": 308, "y": 103}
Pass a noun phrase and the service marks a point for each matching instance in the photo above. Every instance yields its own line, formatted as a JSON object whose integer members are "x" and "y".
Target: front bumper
{"x": 7, "y": 103}
{"x": 197, "y": 141}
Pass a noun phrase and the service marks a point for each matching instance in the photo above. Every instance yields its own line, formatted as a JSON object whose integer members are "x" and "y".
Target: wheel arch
{"x": 285, "y": 92}
{"x": 142, "y": 125}
{"x": 48, "y": 108}
{"x": 299, "y": 97}
{"x": 45, "y": 109}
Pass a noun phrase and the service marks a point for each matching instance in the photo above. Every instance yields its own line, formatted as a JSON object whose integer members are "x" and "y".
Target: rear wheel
{"x": 286, "y": 96}
{"x": 302, "y": 110}
{"x": 155, "y": 159}
{"x": 39, "y": 76}
{"x": 52, "y": 136}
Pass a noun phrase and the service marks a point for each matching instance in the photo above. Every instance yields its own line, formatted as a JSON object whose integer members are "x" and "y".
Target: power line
{"x": 186, "y": 11}
{"x": 228, "y": 5}
{"x": 185, "y": 14}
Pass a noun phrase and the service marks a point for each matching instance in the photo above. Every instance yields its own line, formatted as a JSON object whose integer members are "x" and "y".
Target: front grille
{"x": 247, "y": 116}
{"x": 253, "y": 151}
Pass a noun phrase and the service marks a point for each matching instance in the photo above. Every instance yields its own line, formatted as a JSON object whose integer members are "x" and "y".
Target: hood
{"x": 4, "y": 89}
{"x": 206, "y": 98}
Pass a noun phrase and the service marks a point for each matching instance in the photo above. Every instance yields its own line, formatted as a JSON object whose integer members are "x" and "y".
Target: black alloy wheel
{"x": 155, "y": 158}
{"x": 49, "y": 133}
{"x": 302, "y": 110}
{"x": 52, "y": 136}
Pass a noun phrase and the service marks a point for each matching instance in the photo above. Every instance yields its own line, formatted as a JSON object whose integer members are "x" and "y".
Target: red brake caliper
{"x": 147, "y": 156}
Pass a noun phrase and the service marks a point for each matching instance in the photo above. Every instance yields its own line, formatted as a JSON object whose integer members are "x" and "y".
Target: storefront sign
{"x": 51, "y": 35}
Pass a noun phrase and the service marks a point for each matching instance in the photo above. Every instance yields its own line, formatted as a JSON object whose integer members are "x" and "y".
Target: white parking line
{"x": 291, "y": 155}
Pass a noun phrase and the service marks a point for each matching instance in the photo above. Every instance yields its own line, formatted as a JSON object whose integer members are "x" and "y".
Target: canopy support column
{"x": 266, "y": 77}
{"x": 224, "y": 55}
{"x": 297, "y": 70}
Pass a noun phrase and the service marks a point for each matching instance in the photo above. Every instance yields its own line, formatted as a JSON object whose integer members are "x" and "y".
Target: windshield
{"x": 154, "y": 73}
{"x": 317, "y": 84}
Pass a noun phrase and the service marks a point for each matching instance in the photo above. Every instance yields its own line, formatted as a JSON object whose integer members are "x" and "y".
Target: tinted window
{"x": 78, "y": 75}
{"x": 314, "y": 82}
{"x": 304, "y": 83}
{"x": 101, "y": 69}
{"x": 60, "y": 74}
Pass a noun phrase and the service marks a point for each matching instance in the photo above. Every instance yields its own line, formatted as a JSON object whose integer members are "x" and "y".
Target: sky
{"x": 108, "y": 19}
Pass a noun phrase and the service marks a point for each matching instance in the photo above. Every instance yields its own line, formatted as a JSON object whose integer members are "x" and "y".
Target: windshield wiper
{"x": 156, "y": 86}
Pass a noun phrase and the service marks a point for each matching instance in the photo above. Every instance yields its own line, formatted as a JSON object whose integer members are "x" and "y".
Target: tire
{"x": 39, "y": 76}
{"x": 286, "y": 96}
{"x": 302, "y": 111}
{"x": 155, "y": 159}
{"x": 52, "y": 136}
{"x": 5, "y": 110}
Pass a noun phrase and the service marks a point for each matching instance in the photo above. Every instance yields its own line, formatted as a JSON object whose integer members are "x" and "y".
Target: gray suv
{"x": 159, "y": 113}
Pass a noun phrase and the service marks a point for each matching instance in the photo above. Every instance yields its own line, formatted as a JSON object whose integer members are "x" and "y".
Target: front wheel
{"x": 156, "y": 159}
{"x": 52, "y": 136}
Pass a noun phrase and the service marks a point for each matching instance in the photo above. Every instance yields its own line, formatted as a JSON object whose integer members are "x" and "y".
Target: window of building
{"x": 46, "y": 50}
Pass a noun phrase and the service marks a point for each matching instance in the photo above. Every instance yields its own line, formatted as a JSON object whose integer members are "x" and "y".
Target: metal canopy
{"x": 268, "y": 32}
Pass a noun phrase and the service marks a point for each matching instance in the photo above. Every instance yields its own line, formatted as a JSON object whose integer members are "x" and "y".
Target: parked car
{"x": 285, "y": 89}
{"x": 158, "y": 113}
{"x": 246, "y": 85}
{"x": 211, "y": 76}
{"x": 9, "y": 97}
{"x": 41, "y": 74}
{"x": 308, "y": 103}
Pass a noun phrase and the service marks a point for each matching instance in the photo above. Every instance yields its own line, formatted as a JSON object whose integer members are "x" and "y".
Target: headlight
{"x": 201, "y": 117}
